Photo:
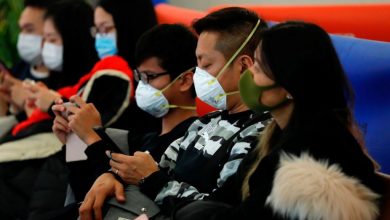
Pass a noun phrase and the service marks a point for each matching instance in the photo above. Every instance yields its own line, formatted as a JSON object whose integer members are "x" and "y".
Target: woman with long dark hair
{"x": 130, "y": 20}
{"x": 311, "y": 162}
{"x": 109, "y": 86}
{"x": 73, "y": 24}
{"x": 69, "y": 52}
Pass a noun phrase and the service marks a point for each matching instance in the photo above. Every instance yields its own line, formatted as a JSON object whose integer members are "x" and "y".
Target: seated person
{"x": 310, "y": 163}
{"x": 61, "y": 54}
{"x": 111, "y": 82}
{"x": 109, "y": 85}
{"x": 66, "y": 29}
{"x": 165, "y": 56}
{"x": 214, "y": 145}
{"x": 31, "y": 67}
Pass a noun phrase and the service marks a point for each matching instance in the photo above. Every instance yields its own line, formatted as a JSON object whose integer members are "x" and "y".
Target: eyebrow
{"x": 104, "y": 23}
{"x": 203, "y": 56}
{"x": 27, "y": 25}
{"x": 51, "y": 35}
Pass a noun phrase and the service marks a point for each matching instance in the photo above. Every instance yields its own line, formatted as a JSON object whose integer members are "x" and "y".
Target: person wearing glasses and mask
{"x": 116, "y": 32}
{"x": 214, "y": 145}
{"x": 165, "y": 56}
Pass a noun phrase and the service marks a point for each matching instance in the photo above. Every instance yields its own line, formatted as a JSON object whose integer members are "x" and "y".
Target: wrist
{"x": 91, "y": 138}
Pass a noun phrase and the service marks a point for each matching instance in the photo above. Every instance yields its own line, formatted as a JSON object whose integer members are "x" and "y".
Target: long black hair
{"x": 132, "y": 18}
{"x": 301, "y": 58}
{"x": 73, "y": 20}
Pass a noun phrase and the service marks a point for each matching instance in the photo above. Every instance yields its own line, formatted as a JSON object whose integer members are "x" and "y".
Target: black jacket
{"x": 319, "y": 171}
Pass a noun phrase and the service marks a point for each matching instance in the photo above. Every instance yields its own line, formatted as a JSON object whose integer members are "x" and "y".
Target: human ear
{"x": 186, "y": 81}
{"x": 245, "y": 62}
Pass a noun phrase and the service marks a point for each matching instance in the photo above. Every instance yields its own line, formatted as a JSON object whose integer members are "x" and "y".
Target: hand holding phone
{"x": 66, "y": 112}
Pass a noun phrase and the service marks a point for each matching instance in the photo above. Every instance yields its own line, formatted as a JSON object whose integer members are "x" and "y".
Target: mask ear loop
{"x": 170, "y": 84}
{"x": 178, "y": 77}
{"x": 239, "y": 49}
{"x": 231, "y": 60}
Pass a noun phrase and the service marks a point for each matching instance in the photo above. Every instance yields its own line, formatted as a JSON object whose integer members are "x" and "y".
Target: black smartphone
{"x": 103, "y": 135}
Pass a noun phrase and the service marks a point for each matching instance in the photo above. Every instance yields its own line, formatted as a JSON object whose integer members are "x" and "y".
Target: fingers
{"x": 61, "y": 122}
{"x": 85, "y": 209}
{"x": 59, "y": 101}
{"x": 119, "y": 158}
{"x": 8, "y": 78}
{"x": 57, "y": 109}
{"x": 116, "y": 166}
{"x": 41, "y": 84}
{"x": 5, "y": 97}
{"x": 97, "y": 206}
{"x": 78, "y": 100}
{"x": 119, "y": 192}
{"x": 142, "y": 154}
{"x": 72, "y": 110}
{"x": 142, "y": 217}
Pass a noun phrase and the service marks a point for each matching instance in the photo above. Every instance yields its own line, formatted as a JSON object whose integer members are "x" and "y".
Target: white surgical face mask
{"x": 52, "y": 56}
{"x": 207, "y": 87}
{"x": 29, "y": 48}
{"x": 209, "y": 90}
{"x": 153, "y": 101}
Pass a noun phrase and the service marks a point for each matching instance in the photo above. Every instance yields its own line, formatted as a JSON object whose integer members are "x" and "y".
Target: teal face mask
{"x": 105, "y": 45}
{"x": 251, "y": 93}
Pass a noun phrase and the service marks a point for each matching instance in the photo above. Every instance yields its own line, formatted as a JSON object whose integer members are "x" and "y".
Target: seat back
{"x": 367, "y": 66}
{"x": 366, "y": 62}
{"x": 369, "y": 21}
{"x": 168, "y": 14}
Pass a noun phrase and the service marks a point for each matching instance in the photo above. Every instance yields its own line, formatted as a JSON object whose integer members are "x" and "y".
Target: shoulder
{"x": 113, "y": 64}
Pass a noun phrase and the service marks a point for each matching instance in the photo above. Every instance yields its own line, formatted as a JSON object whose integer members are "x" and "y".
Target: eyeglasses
{"x": 147, "y": 76}
{"x": 101, "y": 30}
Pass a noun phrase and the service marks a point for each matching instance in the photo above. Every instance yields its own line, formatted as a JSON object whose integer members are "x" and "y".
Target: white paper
{"x": 75, "y": 148}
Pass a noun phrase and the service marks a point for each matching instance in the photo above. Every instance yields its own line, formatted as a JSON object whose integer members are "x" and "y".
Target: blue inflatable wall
{"x": 155, "y": 2}
{"x": 367, "y": 64}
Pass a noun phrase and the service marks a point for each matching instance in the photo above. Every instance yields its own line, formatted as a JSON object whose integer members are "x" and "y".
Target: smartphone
{"x": 103, "y": 135}
{"x": 65, "y": 113}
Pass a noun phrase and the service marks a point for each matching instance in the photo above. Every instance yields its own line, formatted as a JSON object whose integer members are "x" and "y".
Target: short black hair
{"x": 301, "y": 58}
{"x": 233, "y": 24}
{"x": 172, "y": 44}
{"x": 42, "y": 4}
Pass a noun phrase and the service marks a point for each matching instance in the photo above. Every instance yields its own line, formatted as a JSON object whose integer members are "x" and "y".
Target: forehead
{"x": 32, "y": 14}
{"x": 49, "y": 27}
{"x": 151, "y": 65}
{"x": 206, "y": 47}
{"x": 102, "y": 16}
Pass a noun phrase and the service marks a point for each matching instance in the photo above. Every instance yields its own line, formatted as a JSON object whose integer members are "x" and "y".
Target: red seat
{"x": 168, "y": 14}
{"x": 369, "y": 21}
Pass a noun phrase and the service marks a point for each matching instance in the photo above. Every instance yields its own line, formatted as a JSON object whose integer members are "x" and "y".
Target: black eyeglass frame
{"x": 147, "y": 76}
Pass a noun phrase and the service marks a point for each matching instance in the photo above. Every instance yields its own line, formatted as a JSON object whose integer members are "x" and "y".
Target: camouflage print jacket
{"x": 201, "y": 161}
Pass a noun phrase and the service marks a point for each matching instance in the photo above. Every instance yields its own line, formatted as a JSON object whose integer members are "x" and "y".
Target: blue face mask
{"x": 105, "y": 44}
